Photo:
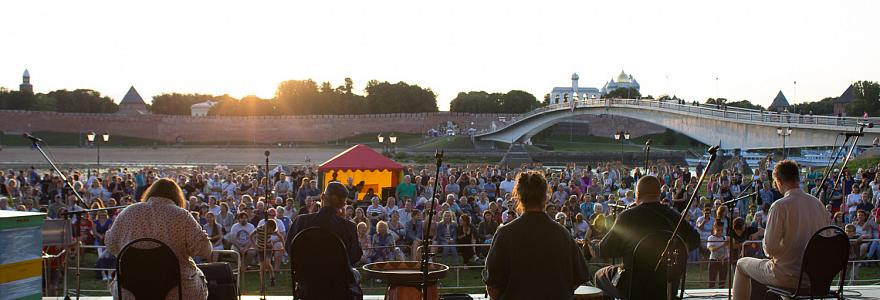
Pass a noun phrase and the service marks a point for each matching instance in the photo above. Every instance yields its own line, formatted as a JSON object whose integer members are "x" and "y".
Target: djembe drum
{"x": 404, "y": 278}
{"x": 587, "y": 293}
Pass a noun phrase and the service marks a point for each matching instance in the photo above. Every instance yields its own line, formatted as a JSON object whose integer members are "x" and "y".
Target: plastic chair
{"x": 665, "y": 279}
{"x": 148, "y": 273}
{"x": 824, "y": 257}
{"x": 319, "y": 262}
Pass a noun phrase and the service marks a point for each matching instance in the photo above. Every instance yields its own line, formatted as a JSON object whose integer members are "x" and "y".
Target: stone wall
{"x": 231, "y": 129}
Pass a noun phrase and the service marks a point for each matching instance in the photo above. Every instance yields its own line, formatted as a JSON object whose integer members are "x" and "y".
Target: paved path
{"x": 68, "y": 156}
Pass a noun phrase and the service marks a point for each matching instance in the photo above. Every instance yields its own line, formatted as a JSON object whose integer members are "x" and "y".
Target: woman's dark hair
{"x": 165, "y": 188}
{"x": 531, "y": 190}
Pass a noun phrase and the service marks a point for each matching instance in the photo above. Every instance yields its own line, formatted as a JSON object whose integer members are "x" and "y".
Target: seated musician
{"x": 647, "y": 217}
{"x": 791, "y": 223}
{"x": 533, "y": 257}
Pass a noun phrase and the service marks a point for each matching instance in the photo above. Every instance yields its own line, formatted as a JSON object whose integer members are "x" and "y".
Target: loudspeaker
{"x": 221, "y": 282}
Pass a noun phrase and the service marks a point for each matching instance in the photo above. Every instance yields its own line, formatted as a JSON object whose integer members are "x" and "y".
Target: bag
{"x": 221, "y": 282}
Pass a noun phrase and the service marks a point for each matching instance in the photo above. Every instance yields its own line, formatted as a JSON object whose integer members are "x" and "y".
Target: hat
{"x": 336, "y": 189}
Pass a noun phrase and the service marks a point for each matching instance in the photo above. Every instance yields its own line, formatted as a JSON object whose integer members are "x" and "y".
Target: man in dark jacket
{"x": 648, "y": 217}
{"x": 328, "y": 219}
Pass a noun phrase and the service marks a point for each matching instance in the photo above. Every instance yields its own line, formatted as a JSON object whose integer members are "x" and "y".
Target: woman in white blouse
{"x": 160, "y": 215}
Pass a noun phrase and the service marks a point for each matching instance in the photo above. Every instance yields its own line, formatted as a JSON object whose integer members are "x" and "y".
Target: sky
{"x": 692, "y": 49}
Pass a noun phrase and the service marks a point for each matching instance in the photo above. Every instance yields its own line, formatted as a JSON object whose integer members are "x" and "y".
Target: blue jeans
{"x": 873, "y": 250}
{"x": 447, "y": 251}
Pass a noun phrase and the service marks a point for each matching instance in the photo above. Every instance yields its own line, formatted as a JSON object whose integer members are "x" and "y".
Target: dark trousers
{"x": 718, "y": 272}
{"x": 603, "y": 280}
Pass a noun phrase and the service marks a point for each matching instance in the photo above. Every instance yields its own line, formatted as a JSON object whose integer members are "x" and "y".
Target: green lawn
{"x": 609, "y": 144}
{"x": 467, "y": 277}
{"x": 447, "y": 142}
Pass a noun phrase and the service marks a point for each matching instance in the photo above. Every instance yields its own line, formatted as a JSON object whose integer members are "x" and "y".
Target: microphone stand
{"x": 713, "y": 154}
{"x": 827, "y": 173}
{"x": 265, "y": 232}
{"x": 647, "y": 153}
{"x": 852, "y": 147}
{"x": 426, "y": 243}
{"x": 79, "y": 199}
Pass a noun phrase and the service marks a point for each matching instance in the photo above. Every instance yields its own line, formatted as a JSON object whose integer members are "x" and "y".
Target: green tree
{"x": 384, "y": 97}
{"x": 866, "y": 100}
{"x": 516, "y": 101}
{"x": 623, "y": 93}
{"x": 476, "y": 102}
{"x": 297, "y": 97}
{"x": 821, "y": 107}
{"x": 745, "y": 104}
{"x": 177, "y": 104}
{"x": 83, "y": 101}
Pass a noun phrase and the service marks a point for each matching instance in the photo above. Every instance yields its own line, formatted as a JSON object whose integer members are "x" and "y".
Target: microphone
{"x": 33, "y": 139}
{"x": 266, "y": 153}
{"x": 648, "y": 142}
{"x": 713, "y": 149}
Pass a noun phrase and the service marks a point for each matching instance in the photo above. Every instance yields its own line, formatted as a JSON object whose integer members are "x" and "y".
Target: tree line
{"x": 307, "y": 97}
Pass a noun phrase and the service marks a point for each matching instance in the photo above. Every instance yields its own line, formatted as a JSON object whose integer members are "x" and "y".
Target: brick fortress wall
{"x": 228, "y": 129}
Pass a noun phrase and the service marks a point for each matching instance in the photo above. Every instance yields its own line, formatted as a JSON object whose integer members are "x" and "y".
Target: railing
{"x": 701, "y": 278}
{"x": 77, "y": 269}
{"x": 713, "y": 110}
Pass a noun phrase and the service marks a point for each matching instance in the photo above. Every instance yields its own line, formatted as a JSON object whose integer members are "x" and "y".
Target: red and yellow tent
{"x": 362, "y": 163}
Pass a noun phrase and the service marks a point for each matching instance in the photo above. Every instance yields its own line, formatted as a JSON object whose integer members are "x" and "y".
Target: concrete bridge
{"x": 733, "y": 128}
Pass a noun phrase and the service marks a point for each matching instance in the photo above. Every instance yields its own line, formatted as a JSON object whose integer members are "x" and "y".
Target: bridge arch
{"x": 732, "y": 128}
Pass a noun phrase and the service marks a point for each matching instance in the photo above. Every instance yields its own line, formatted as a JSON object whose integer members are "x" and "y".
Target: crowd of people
{"x": 234, "y": 205}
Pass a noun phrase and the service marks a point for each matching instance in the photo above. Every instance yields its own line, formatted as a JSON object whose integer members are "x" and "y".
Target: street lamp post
{"x": 783, "y": 132}
{"x": 92, "y": 137}
{"x": 382, "y": 142}
{"x": 393, "y": 140}
{"x": 621, "y": 136}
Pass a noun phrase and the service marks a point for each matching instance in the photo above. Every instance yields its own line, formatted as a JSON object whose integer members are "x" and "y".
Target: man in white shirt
{"x": 791, "y": 223}
{"x": 506, "y": 186}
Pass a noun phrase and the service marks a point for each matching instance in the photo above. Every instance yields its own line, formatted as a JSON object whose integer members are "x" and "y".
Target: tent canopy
{"x": 360, "y": 157}
{"x": 362, "y": 164}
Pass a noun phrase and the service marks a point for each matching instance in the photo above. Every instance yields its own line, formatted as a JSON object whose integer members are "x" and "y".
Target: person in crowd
{"x": 382, "y": 244}
{"x": 365, "y": 241}
{"x": 215, "y": 233}
{"x": 792, "y": 221}
{"x": 547, "y": 264}
{"x": 447, "y": 231}
{"x": 465, "y": 236}
{"x": 105, "y": 259}
{"x": 225, "y": 218}
{"x": 718, "y": 255}
{"x": 161, "y": 215}
{"x": 333, "y": 200}
{"x": 630, "y": 226}
{"x": 264, "y": 239}
{"x": 239, "y": 236}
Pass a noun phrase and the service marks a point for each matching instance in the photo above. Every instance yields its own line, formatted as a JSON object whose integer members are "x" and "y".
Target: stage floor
{"x": 851, "y": 292}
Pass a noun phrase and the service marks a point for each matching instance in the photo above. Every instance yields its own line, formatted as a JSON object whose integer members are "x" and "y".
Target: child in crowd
{"x": 718, "y": 254}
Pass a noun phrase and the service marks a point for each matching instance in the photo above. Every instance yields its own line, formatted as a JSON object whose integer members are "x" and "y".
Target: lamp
{"x": 626, "y": 135}
{"x": 381, "y": 138}
{"x": 392, "y": 139}
{"x": 106, "y": 136}
{"x": 617, "y": 135}
{"x": 90, "y": 136}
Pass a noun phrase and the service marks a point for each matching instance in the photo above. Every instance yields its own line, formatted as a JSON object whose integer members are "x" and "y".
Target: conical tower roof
{"x": 779, "y": 102}
{"x": 848, "y": 95}
{"x": 132, "y": 97}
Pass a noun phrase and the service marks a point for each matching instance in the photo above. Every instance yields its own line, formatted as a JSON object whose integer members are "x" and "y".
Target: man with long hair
{"x": 533, "y": 257}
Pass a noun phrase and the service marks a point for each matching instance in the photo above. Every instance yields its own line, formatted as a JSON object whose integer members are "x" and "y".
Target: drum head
{"x": 54, "y": 233}
{"x": 587, "y": 292}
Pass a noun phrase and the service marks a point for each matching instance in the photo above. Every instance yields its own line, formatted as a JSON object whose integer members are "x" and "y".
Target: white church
{"x": 566, "y": 94}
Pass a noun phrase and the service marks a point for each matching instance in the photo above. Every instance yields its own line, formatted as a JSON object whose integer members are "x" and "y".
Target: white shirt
{"x": 852, "y": 201}
{"x": 506, "y": 186}
{"x": 721, "y": 252}
{"x": 791, "y": 223}
{"x": 240, "y": 233}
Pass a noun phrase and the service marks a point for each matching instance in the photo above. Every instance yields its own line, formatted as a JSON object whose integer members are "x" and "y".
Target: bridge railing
{"x": 713, "y": 110}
